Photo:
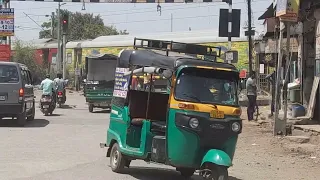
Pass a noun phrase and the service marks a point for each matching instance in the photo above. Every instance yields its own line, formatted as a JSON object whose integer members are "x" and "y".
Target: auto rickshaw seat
{"x": 157, "y": 110}
{"x": 137, "y": 121}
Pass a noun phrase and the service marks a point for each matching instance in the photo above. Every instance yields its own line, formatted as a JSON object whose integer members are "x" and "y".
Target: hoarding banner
{"x": 7, "y": 22}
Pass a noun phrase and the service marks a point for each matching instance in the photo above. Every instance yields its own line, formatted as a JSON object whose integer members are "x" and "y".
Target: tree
{"x": 81, "y": 27}
{"x": 25, "y": 54}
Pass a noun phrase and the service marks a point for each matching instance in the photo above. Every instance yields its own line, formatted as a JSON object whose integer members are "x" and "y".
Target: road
{"x": 66, "y": 147}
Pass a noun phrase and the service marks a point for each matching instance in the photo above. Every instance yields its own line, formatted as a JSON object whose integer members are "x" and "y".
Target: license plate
{"x": 45, "y": 106}
{"x": 217, "y": 114}
{"x": 2, "y": 98}
{"x": 59, "y": 95}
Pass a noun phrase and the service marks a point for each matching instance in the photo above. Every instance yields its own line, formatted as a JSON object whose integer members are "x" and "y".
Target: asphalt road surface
{"x": 65, "y": 146}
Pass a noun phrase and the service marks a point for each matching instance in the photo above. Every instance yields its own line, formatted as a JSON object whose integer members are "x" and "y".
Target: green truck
{"x": 100, "y": 78}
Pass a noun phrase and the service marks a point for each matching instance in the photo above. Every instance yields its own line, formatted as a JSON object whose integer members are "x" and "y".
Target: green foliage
{"x": 25, "y": 54}
{"x": 81, "y": 27}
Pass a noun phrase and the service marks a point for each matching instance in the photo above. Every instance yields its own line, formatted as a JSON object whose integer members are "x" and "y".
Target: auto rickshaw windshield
{"x": 207, "y": 86}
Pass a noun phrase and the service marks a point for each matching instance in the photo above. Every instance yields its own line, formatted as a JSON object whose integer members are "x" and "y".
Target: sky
{"x": 137, "y": 18}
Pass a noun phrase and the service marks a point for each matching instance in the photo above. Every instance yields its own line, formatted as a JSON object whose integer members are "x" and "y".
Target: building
{"x": 304, "y": 46}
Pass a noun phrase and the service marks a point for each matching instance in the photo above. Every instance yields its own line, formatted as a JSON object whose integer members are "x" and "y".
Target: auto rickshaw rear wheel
{"x": 117, "y": 160}
{"x": 186, "y": 172}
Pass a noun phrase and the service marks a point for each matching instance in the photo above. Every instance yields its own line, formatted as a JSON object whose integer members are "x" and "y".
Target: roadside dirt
{"x": 261, "y": 156}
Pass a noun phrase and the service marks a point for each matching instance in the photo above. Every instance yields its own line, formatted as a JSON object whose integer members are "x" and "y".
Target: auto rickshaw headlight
{"x": 193, "y": 123}
{"x": 236, "y": 127}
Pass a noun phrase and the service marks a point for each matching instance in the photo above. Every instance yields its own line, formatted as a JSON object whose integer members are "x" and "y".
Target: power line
{"x": 139, "y": 20}
{"x": 144, "y": 10}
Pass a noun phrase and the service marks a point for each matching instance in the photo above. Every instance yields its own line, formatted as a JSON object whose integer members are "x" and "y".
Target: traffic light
{"x": 65, "y": 23}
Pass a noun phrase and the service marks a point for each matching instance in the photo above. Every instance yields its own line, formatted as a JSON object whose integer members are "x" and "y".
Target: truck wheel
{"x": 33, "y": 113}
{"x": 186, "y": 172}
{"x": 117, "y": 161}
{"x": 21, "y": 119}
{"x": 91, "y": 108}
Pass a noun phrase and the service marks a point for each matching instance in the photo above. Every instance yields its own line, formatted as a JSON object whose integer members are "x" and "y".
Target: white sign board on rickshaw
{"x": 121, "y": 83}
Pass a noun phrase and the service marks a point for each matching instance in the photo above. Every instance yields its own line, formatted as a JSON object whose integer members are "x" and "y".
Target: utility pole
{"x": 230, "y": 27}
{"x": 65, "y": 21}
{"x": 171, "y": 22}
{"x": 59, "y": 39}
{"x": 64, "y": 56}
{"x": 285, "y": 84}
{"x": 279, "y": 125}
{"x": 8, "y": 37}
{"x": 52, "y": 25}
{"x": 250, "y": 36}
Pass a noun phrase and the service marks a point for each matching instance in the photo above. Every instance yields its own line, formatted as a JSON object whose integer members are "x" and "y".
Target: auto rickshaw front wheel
{"x": 215, "y": 172}
{"x": 117, "y": 160}
{"x": 186, "y": 172}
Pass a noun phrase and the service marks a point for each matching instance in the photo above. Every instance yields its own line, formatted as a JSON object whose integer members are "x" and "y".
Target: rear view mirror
{"x": 167, "y": 74}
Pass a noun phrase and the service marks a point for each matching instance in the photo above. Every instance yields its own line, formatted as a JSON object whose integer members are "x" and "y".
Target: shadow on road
{"x": 65, "y": 106}
{"x": 144, "y": 173}
{"x": 37, "y": 123}
{"x": 103, "y": 111}
{"x": 54, "y": 115}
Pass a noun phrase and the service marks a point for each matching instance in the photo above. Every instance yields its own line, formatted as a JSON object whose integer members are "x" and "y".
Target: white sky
{"x": 137, "y": 18}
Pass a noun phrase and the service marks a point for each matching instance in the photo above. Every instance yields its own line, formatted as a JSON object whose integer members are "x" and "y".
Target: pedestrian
{"x": 251, "y": 94}
{"x": 272, "y": 79}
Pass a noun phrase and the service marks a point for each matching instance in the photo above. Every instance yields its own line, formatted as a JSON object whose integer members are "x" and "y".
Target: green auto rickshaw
{"x": 100, "y": 71}
{"x": 194, "y": 126}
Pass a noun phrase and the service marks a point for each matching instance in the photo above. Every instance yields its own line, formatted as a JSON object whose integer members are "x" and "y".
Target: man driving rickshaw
{"x": 191, "y": 127}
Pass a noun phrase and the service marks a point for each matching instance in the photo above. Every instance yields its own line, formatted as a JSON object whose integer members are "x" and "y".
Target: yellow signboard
{"x": 288, "y": 10}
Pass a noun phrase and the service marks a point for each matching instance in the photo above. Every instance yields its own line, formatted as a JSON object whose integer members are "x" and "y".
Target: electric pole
{"x": 171, "y": 22}
{"x": 52, "y": 25}
{"x": 230, "y": 27}
{"x": 65, "y": 23}
{"x": 250, "y": 34}
{"x": 279, "y": 125}
{"x": 8, "y": 37}
{"x": 59, "y": 39}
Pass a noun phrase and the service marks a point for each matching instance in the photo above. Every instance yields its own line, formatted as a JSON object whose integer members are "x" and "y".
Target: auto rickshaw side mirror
{"x": 167, "y": 74}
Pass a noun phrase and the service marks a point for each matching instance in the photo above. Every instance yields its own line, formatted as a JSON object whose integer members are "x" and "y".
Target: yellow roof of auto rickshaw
{"x": 217, "y": 68}
{"x": 157, "y": 77}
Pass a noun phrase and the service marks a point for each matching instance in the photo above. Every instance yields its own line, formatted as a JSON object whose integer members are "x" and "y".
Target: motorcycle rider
{"x": 47, "y": 87}
{"x": 60, "y": 84}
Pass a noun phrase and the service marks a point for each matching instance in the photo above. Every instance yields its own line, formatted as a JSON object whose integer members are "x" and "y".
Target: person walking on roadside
{"x": 251, "y": 94}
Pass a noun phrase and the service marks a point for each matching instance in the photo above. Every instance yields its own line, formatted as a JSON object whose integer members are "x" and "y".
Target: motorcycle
{"x": 60, "y": 98}
{"x": 47, "y": 104}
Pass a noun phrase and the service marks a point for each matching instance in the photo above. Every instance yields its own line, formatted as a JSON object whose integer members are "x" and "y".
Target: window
{"x": 205, "y": 87}
{"x": 9, "y": 74}
{"x": 26, "y": 76}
